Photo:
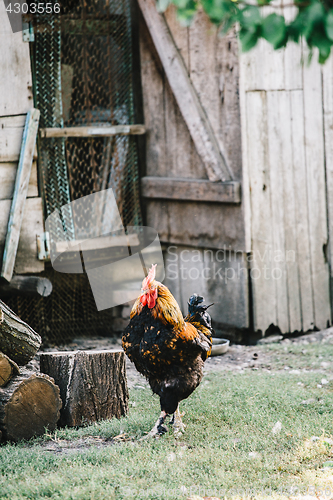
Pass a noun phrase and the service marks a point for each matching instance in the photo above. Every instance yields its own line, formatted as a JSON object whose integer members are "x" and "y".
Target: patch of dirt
{"x": 237, "y": 358}
{"x": 66, "y": 446}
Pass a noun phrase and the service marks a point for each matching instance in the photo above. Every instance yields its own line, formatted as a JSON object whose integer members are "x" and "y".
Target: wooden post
{"x": 93, "y": 384}
{"x": 34, "y": 285}
{"x": 188, "y": 101}
{"x": 20, "y": 193}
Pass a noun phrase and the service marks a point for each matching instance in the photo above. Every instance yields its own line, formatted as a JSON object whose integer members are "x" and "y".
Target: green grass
{"x": 312, "y": 356}
{"x": 228, "y": 444}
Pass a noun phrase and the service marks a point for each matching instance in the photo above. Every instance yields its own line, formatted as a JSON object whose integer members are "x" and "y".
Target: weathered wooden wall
{"x": 15, "y": 101}
{"x": 286, "y": 116}
{"x": 213, "y": 66}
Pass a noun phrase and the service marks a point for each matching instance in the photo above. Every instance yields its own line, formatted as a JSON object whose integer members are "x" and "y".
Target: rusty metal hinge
{"x": 28, "y": 34}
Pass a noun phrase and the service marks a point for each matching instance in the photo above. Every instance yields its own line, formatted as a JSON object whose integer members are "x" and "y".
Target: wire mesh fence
{"x": 82, "y": 66}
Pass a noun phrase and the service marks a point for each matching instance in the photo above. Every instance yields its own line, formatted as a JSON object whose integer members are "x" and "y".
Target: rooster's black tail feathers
{"x": 198, "y": 310}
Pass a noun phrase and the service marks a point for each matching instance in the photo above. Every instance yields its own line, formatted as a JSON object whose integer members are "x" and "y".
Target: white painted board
{"x": 32, "y": 224}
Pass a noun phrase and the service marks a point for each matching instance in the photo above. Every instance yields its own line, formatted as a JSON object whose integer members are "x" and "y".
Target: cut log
{"x": 8, "y": 369}
{"x": 29, "y": 404}
{"x": 17, "y": 339}
{"x": 33, "y": 285}
{"x": 93, "y": 384}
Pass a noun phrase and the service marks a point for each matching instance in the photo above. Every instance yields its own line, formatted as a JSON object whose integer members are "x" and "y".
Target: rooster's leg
{"x": 178, "y": 426}
{"x": 158, "y": 428}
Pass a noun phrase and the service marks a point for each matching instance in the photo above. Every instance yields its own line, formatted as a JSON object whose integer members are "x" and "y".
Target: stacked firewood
{"x": 72, "y": 388}
{"x": 29, "y": 400}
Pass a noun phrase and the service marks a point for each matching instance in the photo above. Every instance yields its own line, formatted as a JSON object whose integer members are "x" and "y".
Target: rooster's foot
{"x": 159, "y": 429}
{"x": 178, "y": 425}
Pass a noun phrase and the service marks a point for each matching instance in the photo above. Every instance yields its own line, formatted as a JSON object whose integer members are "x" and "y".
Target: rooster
{"x": 166, "y": 348}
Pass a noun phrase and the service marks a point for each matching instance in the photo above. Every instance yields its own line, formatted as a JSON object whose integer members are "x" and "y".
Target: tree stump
{"x": 93, "y": 384}
{"x": 17, "y": 339}
{"x": 8, "y": 369}
{"x": 28, "y": 404}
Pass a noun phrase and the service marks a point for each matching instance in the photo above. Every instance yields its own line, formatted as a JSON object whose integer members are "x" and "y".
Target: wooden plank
{"x": 203, "y": 45}
{"x": 291, "y": 257}
{"x": 301, "y": 210}
{"x": 315, "y": 168}
{"x": 269, "y": 69}
{"x": 276, "y": 186}
{"x": 220, "y": 276}
{"x": 275, "y": 162}
{"x": 246, "y": 192}
{"x": 263, "y": 283}
{"x": 93, "y": 131}
{"x": 180, "y": 34}
{"x": 97, "y": 243}
{"x": 32, "y": 224}
{"x": 7, "y": 180}
{"x": 188, "y": 102}
{"x": 152, "y": 76}
{"x": 15, "y": 75}
{"x": 20, "y": 194}
{"x": 11, "y": 131}
{"x": 293, "y": 74}
{"x": 328, "y": 131}
{"x": 227, "y": 68}
{"x": 190, "y": 189}
{"x": 205, "y": 225}
{"x": 283, "y": 212}
{"x": 264, "y": 68}
{"x": 182, "y": 159}
{"x": 31, "y": 285}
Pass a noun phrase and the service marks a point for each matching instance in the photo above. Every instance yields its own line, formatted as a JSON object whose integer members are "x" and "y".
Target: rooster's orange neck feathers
{"x": 160, "y": 302}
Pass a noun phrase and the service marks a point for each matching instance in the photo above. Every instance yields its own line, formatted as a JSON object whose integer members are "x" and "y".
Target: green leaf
{"x": 250, "y": 17}
{"x": 319, "y": 39}
{"x": 248, "y": 39}
{"x": 295, "y": 28}
{"x": 273, "y": 29}
{"x": 329, "y": 25}
{"x": 184, "y": 4}
{"x": 185, "y": 16}
{"x": 218, "y": 9}
{"x": 162, "y": 5}
{"x": 314, "y": 15}
{"x": 228, "y": 22}
{"x": 328, "y": 464}
{"x": 324, "y": 55}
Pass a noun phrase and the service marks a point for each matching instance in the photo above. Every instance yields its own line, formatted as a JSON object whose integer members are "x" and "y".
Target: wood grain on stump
{"x": 17, "y": 339}
{"x": 8, "y": 369}
{"x": 28, "y": 404}
{"x": 93, "y": 384}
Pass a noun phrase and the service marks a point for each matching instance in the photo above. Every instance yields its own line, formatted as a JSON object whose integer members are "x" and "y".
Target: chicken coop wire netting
{"x": 82, "y": 68}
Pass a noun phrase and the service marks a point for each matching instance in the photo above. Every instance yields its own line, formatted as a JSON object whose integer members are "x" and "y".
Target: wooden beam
{"x": 34, "y": 285}
{"x": 190, "y": 190}
{"x": 20, "y": 193}
{"x": 98, "y": 243}
{"x": 98, "y": 131}
{"x": 188, "y": 101}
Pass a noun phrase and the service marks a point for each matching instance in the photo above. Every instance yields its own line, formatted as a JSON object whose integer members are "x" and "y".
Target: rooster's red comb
{"x": 151, "y": 276}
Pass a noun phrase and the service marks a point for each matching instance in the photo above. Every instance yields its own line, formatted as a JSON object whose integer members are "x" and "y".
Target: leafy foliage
{"x": 312, "y": 21}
